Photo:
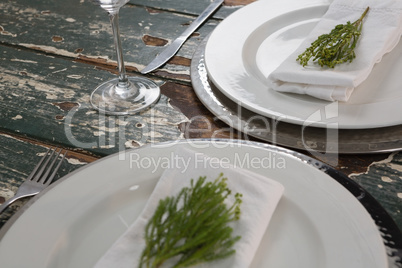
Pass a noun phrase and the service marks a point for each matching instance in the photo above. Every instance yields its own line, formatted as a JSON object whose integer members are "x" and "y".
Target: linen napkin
{"x": 382, "y": 28}
{"x": 260, "y": 197}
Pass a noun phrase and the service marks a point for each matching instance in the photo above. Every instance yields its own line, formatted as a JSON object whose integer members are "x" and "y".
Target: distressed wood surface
{"x": 194, "y": 7}
{"x": 383, "y": 179}
{"x": 53, "y": 54}
{"x": 17, "y": 159}
{"x": 82, "y": 30}
{"x": 47, "y": 98}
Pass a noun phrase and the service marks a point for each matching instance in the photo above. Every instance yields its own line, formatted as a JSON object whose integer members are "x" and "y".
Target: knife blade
{"x": 172, "y": 49}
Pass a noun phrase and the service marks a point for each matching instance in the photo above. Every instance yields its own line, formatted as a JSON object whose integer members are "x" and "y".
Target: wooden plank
{"x": 82, "y": 30}
{"x": 194, "y": 7}
{"x": 383, "y": 180}
{"x": 17, "y": 160}
{"x": 201, "y": 123}
{"x": 47, "y": 99}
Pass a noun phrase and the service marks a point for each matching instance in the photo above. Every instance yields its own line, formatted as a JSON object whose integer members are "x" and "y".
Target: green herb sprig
{"x": 192, "y": 226}
{"x": 336, "y": 47}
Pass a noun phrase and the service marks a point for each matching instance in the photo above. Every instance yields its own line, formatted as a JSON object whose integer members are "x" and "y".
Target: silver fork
{"x": 39, "y": 178}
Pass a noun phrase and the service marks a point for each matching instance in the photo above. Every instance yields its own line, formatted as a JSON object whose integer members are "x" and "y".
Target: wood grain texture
{"x": 193, "y": 7}
{"x": 83, "y": 30}
{"x": 47, "y": 98}
{"x": 383, "y": 180}
{"x": 201, "y": 123}
{"x": 18, "y": 158}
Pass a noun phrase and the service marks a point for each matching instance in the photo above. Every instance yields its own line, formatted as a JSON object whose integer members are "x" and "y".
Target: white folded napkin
{"x": 260, "y": 197}
{"x": 382, "y": 29}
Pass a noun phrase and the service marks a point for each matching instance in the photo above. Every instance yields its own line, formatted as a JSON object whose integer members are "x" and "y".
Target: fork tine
{"x": 44, "y": 178}
{"x": 38, "y": 175}
{"x": 55, "y": 169}
{"x": 36, "y": 182}
{"x": 37, "y": 166}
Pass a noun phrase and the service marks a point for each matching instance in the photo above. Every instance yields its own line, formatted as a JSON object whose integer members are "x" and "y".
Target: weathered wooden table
{"x": 54, "y": 53}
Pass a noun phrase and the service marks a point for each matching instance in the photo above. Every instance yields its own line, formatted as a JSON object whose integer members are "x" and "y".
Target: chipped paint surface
{"x": 61, "y": 104}
{"x": 396, "y": 166}
{"x": 64, "y": 34}
{"x": 26, "y": 61}
{"x": 75, "y": 76}
{"x": 17, "y": 117}
{"x": 58, "y": 71}
{"x": 386, "y": 161}
{"x": 386, "y": 179}
{"x": 4, "y": 32}
{"x": 31, "y": 83}
{"x": 150, "y": 126}
{"x": 57, "y": 38}
{"x": 50, "y": 49}
{"x": 133, "y": 144}
{"x": 383, "y": 180}
{"x": 7, "y": 193}
{"x": 75, "y": 161}
{"x": 66, "y": 53}
{"x": 54, "y": 56}
{"x": 66, "y": 106}
{"x": 99, "y": 133}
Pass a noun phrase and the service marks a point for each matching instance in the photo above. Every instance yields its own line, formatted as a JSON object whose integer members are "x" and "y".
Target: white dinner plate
{"x": 248, "y": 45}
{"x": 317, "y": 224}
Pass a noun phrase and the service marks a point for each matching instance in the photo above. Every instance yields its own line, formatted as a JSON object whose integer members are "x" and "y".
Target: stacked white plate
{"x": 248, "y": 45}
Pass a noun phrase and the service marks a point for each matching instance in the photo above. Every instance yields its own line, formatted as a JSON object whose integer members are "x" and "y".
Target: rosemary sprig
{"x": 336, "y": 47}
{"x": 192, "y": 226}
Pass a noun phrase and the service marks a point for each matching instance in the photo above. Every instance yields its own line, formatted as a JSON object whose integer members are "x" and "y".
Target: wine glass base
{"x": 141, "y": 94}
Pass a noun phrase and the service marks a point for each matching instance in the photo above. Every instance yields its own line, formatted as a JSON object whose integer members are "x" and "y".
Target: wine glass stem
{"x": 114, "y": 20}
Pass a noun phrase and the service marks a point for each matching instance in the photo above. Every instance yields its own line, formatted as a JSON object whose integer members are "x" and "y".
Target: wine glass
{"x": 122, "y": 95}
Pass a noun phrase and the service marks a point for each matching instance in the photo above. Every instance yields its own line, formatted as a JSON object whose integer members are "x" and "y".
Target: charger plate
{"x": 249, "y": 44}
{"x": 280, "y": 132}
{"x": 323, "y": 219}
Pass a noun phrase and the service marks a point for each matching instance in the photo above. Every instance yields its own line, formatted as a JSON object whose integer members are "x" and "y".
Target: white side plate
{"x": 248, "y": 45}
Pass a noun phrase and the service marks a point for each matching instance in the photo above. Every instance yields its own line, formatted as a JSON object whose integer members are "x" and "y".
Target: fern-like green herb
{"x": 192, "y": 227}
{"x": 336, "y": 47}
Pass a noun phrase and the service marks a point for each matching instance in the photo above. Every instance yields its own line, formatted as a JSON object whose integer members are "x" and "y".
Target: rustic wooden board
{"x": 383, "y": 180}
{"x": 194, "y": 7}
{"x": 82, "y": 30}
{"x": 17, "y": 160}
{"x": 47, "y": 98}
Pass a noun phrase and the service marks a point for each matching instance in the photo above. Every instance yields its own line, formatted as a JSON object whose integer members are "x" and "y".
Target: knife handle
{"x": 201, "y": 18}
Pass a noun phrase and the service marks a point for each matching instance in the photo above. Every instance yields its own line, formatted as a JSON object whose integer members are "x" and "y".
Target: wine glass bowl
{"x": 122, "y": 95}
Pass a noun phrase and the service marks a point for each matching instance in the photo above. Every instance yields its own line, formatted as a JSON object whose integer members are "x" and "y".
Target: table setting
{"x": 174, "y": 104}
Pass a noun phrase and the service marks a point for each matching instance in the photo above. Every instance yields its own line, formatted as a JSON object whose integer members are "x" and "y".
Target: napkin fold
{"x": 382, "y": 29}
{"x": 260, "y": 198}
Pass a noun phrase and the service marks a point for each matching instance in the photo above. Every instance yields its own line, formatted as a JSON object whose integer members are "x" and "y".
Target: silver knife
{"x": 165, "y": 55}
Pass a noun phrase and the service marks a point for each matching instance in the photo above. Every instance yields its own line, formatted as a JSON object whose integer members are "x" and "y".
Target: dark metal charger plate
{"x": 275, "y": 131}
